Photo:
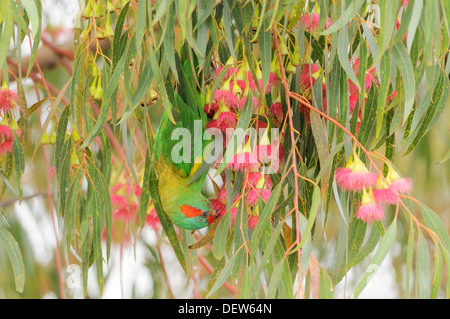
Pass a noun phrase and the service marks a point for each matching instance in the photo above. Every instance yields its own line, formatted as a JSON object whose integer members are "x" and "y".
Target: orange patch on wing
{"x": 190, "y": 211}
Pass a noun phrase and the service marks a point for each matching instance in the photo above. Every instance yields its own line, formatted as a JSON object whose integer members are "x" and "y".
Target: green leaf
{"x": 342, "y": 50}
{"x": 414, "y": 22}
{"x": 15, "y": 256}
{"x": 116, "y": 45}
{"x": 346, "y": 16}
{"x": 369, "y": 116}
{"x": 385, "y": 80}
{"x": 439, "y": 99}
{"x": 323, "y": 151}
{"x": 388, "y": 15}
{"x": 423, "y": 268}
{"x": 6, "y": 31}
{"x": 69, "y": 209}
{"x": 275, "y": 279}
{"x": 409, "y": 260}
{"x": 164, "y": 219}
{"x": 33, "y": 15}
{"x": 168, "y": 46}
{"x": 144, "y": 199}
{"x": 107, "y": 95}
{"x": 312, "y": 214}
{"x": 433, "y": 221}
{"x": 437, "y": 272}
{"x": 19, "y": 161}
{"x": 220, "y": 239}
{"x": 224, "y": 274}
{"x": 141, "y": 23}
{"x": 326, "y": 285}
{"x": 265, "y": 47}
{"x": 264, "y": 218}
{"x": 383, "y": 248}
{"x": 403, "y": 62}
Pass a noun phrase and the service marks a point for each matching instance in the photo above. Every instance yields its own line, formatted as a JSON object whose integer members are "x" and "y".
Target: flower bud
{"x": 283, "y": 48}
{"x": 87, "y": 12}
{"x": 74, "y": 158}
{"x": 44, "y": 139}
{"x": 236, "y": 89}
{"x": 98, "y": 10}
{"x": 290, "y": 68}
{"x": 109, "y": 33}
{"x": 75, "y": 136}
{"x": 110, "y": 7}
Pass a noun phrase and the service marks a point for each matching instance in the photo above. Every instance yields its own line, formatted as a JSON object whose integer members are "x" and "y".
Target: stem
{"x": 294, "y": 158}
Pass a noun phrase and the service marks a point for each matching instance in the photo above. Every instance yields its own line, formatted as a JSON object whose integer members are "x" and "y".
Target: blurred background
{"x": 140, "y": 269}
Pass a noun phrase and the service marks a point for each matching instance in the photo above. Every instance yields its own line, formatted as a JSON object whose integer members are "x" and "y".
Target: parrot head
{"x": 190, "y": 210}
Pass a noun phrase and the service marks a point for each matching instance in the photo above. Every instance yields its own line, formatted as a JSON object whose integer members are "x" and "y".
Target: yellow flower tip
{"x": 75, "y": 136}
{"x": 74, "y": 158}
{"x": 381, "y": 183}
{"x": 392, "y": 174}
{"x": 236, "y": 89}
{"x": 45, "y": 139}
{"x": 367, "y": 197}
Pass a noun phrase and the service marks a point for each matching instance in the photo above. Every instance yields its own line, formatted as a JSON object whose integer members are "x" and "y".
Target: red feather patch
{"x": 190, "y": 211}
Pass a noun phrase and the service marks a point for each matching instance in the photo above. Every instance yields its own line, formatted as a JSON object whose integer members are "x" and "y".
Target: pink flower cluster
{"x": 376, "y": 190}
{"x": 311, "y": 21}
{"x": 8, "y": 101}
{"x": 224, "y": 108}
{"x": 257, "y": 186}
{"x": 124, "y": 203}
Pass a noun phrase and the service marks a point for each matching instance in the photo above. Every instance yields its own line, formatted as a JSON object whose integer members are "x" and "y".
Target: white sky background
{"x": 135, "y": 275}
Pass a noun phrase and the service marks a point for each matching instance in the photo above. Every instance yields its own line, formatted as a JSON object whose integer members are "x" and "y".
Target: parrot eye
{"x": 204, "y": 215}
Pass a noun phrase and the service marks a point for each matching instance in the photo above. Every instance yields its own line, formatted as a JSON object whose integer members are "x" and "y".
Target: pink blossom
{"x": 152, "y": 219}
{"x": 211, "y": 109}
{"x": 6, "y": 139}
{"x": 227, "y": 97}
{"x": 354, "y": 180}
{"x": 253, "y": 221}
{"x": 255, "y": 193}
{"x": 229, "y": 73}
{"x": 255, "y": 103}
{"x": 255, "y": 179}
{"x": 276, "y": 109}
{"x": 8, "y": 99}
{"x": 385, "y": 195}
{"x": 266, "y": 153}
{"x": 241, "y": 83}
{"x": 402, "y": 185}
{"x": 245, "y": 162}
{"x": 223, "y": 121}
{"x": 310, "y": 22}
{"x": 307, "y": 80}
{"x": 370, "y": 212}
{"x": 218, "y": 207}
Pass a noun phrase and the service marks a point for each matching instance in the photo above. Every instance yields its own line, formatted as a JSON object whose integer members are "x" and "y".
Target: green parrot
{"x": 182, "y": 199}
